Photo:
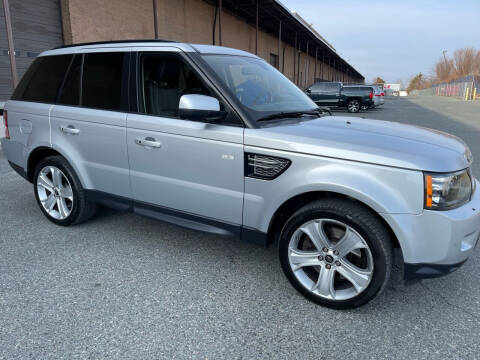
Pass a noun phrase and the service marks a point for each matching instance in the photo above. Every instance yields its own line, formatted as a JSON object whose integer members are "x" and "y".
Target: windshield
{"x": 260, "y": 88}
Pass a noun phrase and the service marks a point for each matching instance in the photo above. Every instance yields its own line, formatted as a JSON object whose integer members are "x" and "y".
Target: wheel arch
{"x": 290, "y": 206}
{"x": 42, "y": 152}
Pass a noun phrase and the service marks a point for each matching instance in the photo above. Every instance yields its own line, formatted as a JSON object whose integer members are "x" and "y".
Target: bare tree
{"x": 378, "y": 80}
{"x": 465, "y": 61}
{"x": 445, "y": 69}
{"x": 419, "y": 82}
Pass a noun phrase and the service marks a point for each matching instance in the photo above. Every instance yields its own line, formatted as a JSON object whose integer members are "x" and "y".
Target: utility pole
{"x": 445, "y": 60}
{"x": 11, "y": 50}
{"x": 220, "y": 10}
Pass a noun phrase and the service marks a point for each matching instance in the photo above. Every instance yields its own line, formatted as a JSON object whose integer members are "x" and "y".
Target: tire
{"x": 64, "y": 204}
{"x": 319, "y": 274}
{"x": 353, "y": 106}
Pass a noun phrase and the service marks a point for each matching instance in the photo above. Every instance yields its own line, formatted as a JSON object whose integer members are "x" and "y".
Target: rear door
{"x": 89, "y": 121}
{"x": 331, "y": 94}
{"x": 195, "y": 168}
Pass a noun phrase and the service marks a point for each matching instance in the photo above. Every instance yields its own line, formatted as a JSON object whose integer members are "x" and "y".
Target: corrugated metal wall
{"x": 36, "y": 26}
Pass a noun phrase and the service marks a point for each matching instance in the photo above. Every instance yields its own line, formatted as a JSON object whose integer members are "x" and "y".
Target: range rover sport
{"x": 216, "y": 139}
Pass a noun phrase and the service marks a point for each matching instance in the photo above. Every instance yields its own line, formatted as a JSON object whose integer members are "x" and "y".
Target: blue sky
{"x": 393, "y": 39}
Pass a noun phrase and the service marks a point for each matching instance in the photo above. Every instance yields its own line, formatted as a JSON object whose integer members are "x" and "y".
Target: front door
{"x": 181, "y": 167}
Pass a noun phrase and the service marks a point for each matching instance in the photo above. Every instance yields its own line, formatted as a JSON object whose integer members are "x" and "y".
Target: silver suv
{"x": 216, "y": 139}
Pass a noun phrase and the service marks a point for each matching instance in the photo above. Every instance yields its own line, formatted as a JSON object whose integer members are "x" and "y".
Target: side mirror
{"x": 200, "y": 108}
{"x": 308, "y": 91}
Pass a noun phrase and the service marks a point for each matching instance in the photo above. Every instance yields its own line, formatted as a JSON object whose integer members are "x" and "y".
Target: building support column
{"x": 256, "y": 29}
{"x": 307, "y": 66}
{"x": 220, "y": 22}
{"x": 316, "y": 60}
{"x": 280, "y": 45}
{"x": 323, "y": 63}
{"x": 155, "y": 18}
{"x": 11, "y": 49}
{"x": 295, "y": 60}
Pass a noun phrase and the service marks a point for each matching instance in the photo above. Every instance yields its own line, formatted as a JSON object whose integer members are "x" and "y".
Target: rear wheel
{"x": 353, "y": 106}
{"x": 59, "y": 192}
{"x": 336, "y": 253}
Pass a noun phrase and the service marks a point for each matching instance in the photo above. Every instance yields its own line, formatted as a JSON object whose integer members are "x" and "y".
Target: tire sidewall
{"x": 74, "y": 183}
{"x": 380, "y": 271}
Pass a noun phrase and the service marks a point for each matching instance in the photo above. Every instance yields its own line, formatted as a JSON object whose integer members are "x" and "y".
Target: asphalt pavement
{"x": 125, "y": 287}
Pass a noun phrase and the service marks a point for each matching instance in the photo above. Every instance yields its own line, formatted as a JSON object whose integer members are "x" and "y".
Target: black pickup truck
{"x": 335, "y": 94}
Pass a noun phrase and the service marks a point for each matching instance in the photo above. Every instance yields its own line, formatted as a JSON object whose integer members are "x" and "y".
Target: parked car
{"x": 216, "y": 139}
{"x": 367, "y": 89}
{"x": 335, "y": 94}
{"x": 379, "y": 97}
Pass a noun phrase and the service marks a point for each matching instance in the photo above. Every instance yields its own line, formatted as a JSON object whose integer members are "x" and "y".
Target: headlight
{"x": 447, "y": 191}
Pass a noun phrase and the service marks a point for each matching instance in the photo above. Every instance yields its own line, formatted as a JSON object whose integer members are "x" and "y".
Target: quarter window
{"x": 43, "y": 84}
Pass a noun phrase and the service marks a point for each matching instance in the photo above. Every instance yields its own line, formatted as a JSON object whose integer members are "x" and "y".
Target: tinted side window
{"x": 164, "y": 79}
{"x": 22, "y": 85}
{"x": 318, "y": 87}
{"x": 102, "y": 80}
{"x": 46, "y": 80}
{"x": 70, "y": 93}
{"x": 332, "y": 86}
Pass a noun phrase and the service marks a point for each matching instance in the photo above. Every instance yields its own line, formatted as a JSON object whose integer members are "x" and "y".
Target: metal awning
{"x": 272, "y": 17}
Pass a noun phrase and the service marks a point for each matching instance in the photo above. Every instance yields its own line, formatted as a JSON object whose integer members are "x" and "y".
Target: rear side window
{"x": 42, "y": 81}
{"x": 102, "y": 80}
{"x": 331, "y": 86}
{"x": 318, "y": 87}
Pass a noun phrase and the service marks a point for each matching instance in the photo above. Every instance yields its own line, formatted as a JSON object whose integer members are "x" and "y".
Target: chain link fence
{"x": 466, "y": 88}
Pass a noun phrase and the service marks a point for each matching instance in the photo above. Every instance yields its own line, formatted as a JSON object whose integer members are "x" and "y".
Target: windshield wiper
{"x": 285, "y": 115}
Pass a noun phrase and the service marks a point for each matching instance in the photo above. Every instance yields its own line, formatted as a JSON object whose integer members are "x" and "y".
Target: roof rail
{"x": 115, "y": 42}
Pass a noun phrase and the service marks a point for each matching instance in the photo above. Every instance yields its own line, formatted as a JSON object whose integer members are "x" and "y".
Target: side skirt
{"x": 180, "y": 218}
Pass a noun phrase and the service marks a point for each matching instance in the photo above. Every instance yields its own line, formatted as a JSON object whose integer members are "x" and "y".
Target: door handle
{"x": 70, "y": 130}
{"x": 148, "y": 142}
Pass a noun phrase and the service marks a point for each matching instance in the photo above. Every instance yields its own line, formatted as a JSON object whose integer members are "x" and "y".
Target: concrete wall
{"x": 181, "y": 20}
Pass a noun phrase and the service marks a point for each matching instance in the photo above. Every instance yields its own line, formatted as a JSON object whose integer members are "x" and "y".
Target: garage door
{"x": 36, "y": 26}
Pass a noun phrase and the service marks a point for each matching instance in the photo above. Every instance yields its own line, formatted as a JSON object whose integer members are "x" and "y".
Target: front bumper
{"x": 435, "y": 243}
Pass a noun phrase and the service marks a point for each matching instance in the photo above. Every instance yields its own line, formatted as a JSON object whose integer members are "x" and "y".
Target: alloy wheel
{"x": 353, "y": 106}
{"x": 55, "y": 192}
{"x": 330, "y": 259}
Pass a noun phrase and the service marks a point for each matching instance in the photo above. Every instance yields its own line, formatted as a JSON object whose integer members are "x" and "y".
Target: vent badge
{"x": 264, "y": 167}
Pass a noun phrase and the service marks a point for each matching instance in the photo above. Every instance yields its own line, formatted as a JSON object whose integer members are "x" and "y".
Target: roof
{"x": 123, "y": 45}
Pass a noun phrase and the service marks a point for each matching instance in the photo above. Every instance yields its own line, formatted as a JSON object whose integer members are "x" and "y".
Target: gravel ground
{"x": 122, "y": 286}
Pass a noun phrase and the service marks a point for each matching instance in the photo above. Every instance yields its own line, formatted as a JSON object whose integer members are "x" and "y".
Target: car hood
{"x": 367, "y": 140}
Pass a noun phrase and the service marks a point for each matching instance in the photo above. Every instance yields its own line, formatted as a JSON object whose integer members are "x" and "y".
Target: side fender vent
{"x": 264, "y": 167}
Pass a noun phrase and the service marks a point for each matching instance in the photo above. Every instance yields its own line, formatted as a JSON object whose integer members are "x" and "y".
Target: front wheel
{"x": 353, "y": 106}
{"x": 337, "y": 253}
